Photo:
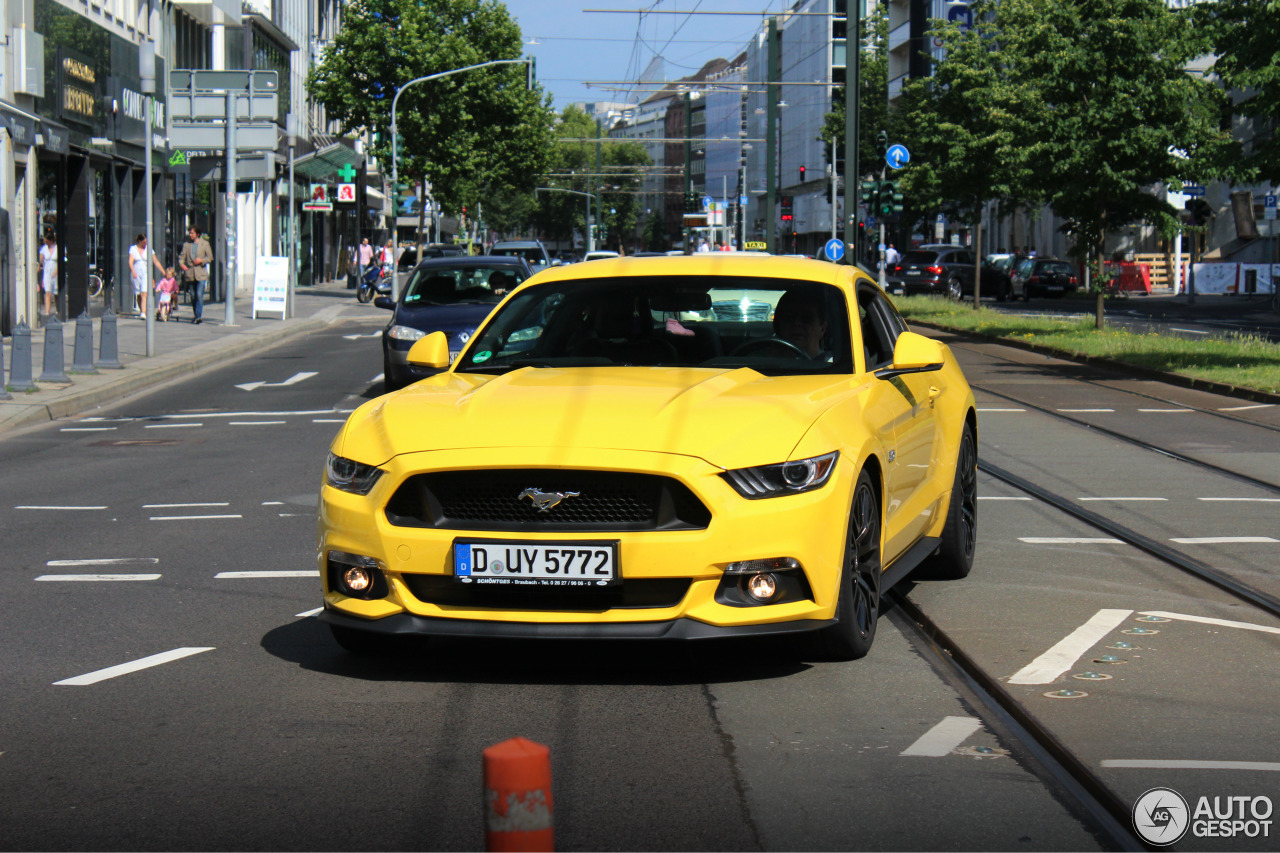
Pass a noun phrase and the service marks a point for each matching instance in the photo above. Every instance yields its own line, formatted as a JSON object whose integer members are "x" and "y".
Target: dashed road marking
{"x": 1225, "y": 540}
{"x": 132, "y": 666}
{"x": 944, "y": 737}
{"x": 1209, "y": 620}
{"x": 1069, "y": 540}
{"x": 1245, "y": 408}
{"x": 1244, "y": 500}
{"x": 255, "y": 423}
{"x": 308, "y": 613}
{"x": 87, "y": 429}
{"x": 191, "y": 517}
{"x": 101, "y": 561}
{"x": 1165, "y": 411}
{"x": 1057, "y": 660}
{"x": 1188, "y": 764}
{"x": 64, "y": 508}
{"x": 184, "y": 506}
{"x": 108, "y": 578}
{"x": 1003, "y": 498}
{"x": 275, "y": 573}
{"x": 1123, "y": 499}
{"x": 1084, "y": 411}
{"x": 1001, "y": 410}
{"x": 171, "y": 426}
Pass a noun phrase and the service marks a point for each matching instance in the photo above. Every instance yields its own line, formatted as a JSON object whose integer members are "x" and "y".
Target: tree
{"x": 1245, "y": 34}
{"x": 1098, "y": 105}
{"x": 472, "y": 135}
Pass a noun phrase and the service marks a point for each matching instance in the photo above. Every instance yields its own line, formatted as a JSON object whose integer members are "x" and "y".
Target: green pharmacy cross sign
{"x": 347, "y": 173}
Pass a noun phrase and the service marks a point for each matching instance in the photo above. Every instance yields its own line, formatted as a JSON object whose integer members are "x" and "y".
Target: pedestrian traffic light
{"x": 868, "y": 192}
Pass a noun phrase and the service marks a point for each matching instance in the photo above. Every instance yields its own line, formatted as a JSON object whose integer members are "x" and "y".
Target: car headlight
{"x": 786, "y": 478}
{"x": 350, "y": 476}
{"x": 405, "y": 333}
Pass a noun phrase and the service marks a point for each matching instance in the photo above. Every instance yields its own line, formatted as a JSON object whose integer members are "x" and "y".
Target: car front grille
{"x": 501, "y": 500}
{"x": 635, "y": 594}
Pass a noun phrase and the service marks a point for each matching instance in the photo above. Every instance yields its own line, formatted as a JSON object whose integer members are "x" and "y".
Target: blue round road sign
{"x": 834, "y": 250}
{"x": 897, "y": 156}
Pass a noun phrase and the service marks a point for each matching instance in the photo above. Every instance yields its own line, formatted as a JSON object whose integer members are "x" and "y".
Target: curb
{"x": 1189, "y": 382}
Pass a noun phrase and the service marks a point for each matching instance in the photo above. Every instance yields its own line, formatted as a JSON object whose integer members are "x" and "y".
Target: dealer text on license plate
{"x": 538, "y": 564}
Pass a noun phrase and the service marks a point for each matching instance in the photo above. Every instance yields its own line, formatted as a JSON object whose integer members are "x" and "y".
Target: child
{"x": 166, "y": 287}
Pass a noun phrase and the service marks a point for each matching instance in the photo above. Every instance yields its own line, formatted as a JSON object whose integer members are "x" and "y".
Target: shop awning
{"x": 322, "y": 165}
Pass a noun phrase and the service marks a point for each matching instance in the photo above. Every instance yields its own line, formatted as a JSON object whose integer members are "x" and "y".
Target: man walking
{"x": 366, "y": 258}
{"x": 195, "y": 259}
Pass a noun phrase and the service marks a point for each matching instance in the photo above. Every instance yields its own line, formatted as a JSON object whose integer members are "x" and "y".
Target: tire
{"x": 955, "y": 290}
{"x": 954, "y": 557}
{"x": 388, "y": 384}
{"x": 858, "y": 605}
{"x": 361, "y": 642}
{"x": 95, "y": 284}
{"x": 364, "y": 294}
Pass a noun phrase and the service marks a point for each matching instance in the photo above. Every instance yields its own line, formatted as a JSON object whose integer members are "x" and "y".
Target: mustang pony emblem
{"x": 545, "y": 500}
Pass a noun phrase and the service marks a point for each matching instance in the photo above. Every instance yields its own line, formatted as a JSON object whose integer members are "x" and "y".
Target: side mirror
{"x": 384, "y": 302}
{"x": 913, "y": 353}
{"x": 431, "y": 351}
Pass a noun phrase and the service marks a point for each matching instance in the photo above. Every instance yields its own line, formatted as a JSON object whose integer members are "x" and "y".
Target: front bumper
{"x": 808, "y": 527}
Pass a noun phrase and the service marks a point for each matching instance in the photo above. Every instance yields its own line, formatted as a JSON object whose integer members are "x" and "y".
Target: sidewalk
{"x": 180, "y": 348}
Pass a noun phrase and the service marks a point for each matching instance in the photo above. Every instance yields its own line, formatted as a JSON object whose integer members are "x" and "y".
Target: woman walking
{"x": 138, "y": 272}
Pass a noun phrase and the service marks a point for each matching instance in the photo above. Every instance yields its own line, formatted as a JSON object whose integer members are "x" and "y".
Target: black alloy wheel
{"x": 955, "y": 290}
{"x": 954, "y": 557}
{"x": 858, "y": 607}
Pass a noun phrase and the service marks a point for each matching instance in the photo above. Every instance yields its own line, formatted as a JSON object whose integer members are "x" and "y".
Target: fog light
{"x": 772, "y": 564}
{"x": 357, "y": 579}
{"x": 762, "y": 587}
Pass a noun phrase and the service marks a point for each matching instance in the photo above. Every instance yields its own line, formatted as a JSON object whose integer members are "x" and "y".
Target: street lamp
{"x": 395, "y": 172}
{"x": 291, "y": 132}
{"x": 147, "y": 71}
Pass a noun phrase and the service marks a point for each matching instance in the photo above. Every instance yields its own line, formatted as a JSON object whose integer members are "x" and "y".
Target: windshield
{"x": 446, "y": 285}
{"x": 775, "y": 326}
{"x": 532, "y": 254}
{"x": 1054, "y": 267}
{"x": 919, "y": 257}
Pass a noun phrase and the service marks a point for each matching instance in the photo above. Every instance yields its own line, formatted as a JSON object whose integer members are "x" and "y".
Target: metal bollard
{"x": 20, "y": 370}
{"x": 109, "y": 348}
{"x": 54, "y": 358}
{"x": 82, "y": 359}
{"x": 4, "y": 395}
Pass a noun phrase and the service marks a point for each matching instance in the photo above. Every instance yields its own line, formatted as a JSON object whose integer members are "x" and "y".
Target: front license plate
{"x": 537, "y": 564}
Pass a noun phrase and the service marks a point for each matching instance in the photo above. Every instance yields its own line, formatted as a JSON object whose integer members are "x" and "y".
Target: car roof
{"x": 474, "y": 261}
{"x": 727, "y": 265}
{"x": 517, "y": 244}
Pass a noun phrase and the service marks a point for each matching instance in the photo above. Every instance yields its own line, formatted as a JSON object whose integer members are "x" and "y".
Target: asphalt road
{"x": 258, "y": 732}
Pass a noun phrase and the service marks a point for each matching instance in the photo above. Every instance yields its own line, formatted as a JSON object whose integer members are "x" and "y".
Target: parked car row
{"x": 944, "y": 269}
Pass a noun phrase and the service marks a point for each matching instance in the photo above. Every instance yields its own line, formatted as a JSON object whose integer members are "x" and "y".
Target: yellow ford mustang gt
{"x": 669, "y": 447}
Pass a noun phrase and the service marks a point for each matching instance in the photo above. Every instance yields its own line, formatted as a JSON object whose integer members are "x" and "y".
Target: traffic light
{"x": 802, "y": 174}
{"x": 868, "y": 192}
{"x": 690, "y": 202}
{"x": 403, "y": 198}
{"x": 1199, "y": 210}
{"x": 882, "y": 143}
{"x": 890, "y": 202}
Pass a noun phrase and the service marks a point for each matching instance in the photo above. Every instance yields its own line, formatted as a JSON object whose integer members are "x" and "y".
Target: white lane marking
{"x": 182, "y": 506}
{"x": 1064, "y": 654}
{"x": 1001, "y": 410}
{"x": 273, "y": 503}
{"x": 292, "y": 380}
{"x": 98, "y": 577}
{"x": 296, "y": 515}
{"x": 255, "y": 423}
{"x": 87, "y": 429}
{"x": 281, "y": 573}
{"x": 307, "y": 613}
{"x": 171, "y": 426}
{"x": 1085, "y": 411}
{"x": 374, "y": 334}
{"x": 190, "y": 517}
{"x": 378, "y": 378}
{"x": 1209, "y": 620}
{"x": 328, "y": 421}
{"x": 1225, "y": 540}
{"x": 206, "y": 415}
{"x": 1165, "y": 411}
{"x": 101, "y": 561}
{"x": 1190, "y": 331}
{"x": 105, "y": 420}
{"x": 943, "y": 738}
{"x": 68, "y": 508}
{"x": 1245, "y": 408}
{"x": 1245, "y": 500}
{"x": 1123, "y": 499}
{"x": 1069, "y": 540}
{"x": 1187, "y": 764}
{"x": 1003, "y": 498}
{"x": 132, "y": 666}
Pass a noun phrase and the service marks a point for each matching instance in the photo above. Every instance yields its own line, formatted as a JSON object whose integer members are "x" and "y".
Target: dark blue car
{"x": 450, "y": 295}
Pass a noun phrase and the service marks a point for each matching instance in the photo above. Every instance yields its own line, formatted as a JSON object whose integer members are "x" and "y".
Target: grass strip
{"x": 1241, "y": 361}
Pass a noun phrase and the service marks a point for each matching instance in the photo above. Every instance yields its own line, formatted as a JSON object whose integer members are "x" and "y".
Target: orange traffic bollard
{"x": 517, "y": 795}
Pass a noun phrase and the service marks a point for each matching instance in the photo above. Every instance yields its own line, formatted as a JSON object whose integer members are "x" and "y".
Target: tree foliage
{"x": 1084, "y": 104}
{"x": 1245, "y": 35}
{"x": 472, "y": 135}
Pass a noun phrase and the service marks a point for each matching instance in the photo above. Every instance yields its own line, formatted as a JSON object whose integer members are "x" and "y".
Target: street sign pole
{"x": 147, "y": 67}
{"x": 229, "y": 302}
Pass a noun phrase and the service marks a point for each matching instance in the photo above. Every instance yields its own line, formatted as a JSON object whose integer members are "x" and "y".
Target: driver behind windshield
{"x": 799, "y": 319}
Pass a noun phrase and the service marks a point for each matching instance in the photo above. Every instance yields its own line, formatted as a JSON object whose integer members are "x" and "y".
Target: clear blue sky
{"x": 575, "y": 47}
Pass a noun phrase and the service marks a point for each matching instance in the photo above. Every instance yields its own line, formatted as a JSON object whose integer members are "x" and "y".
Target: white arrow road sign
{"x": 292, "y": 380}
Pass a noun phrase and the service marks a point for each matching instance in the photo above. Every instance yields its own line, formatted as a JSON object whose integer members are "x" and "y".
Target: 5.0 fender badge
{"x": 545, "y": 500}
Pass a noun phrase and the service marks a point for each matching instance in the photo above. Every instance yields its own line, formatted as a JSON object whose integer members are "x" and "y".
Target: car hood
{"x": 730, "y": 418}
{"x": 459, "y": 317}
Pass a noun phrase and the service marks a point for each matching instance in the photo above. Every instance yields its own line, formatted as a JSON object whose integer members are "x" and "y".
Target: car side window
{"x": 877, "y": 336}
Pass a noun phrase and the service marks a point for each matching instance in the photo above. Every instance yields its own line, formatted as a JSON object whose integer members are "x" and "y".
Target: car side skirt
{"x": 904, "y": 565}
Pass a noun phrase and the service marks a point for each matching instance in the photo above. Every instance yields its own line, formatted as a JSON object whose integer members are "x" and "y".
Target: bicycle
{"x": 97, "y": 284}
